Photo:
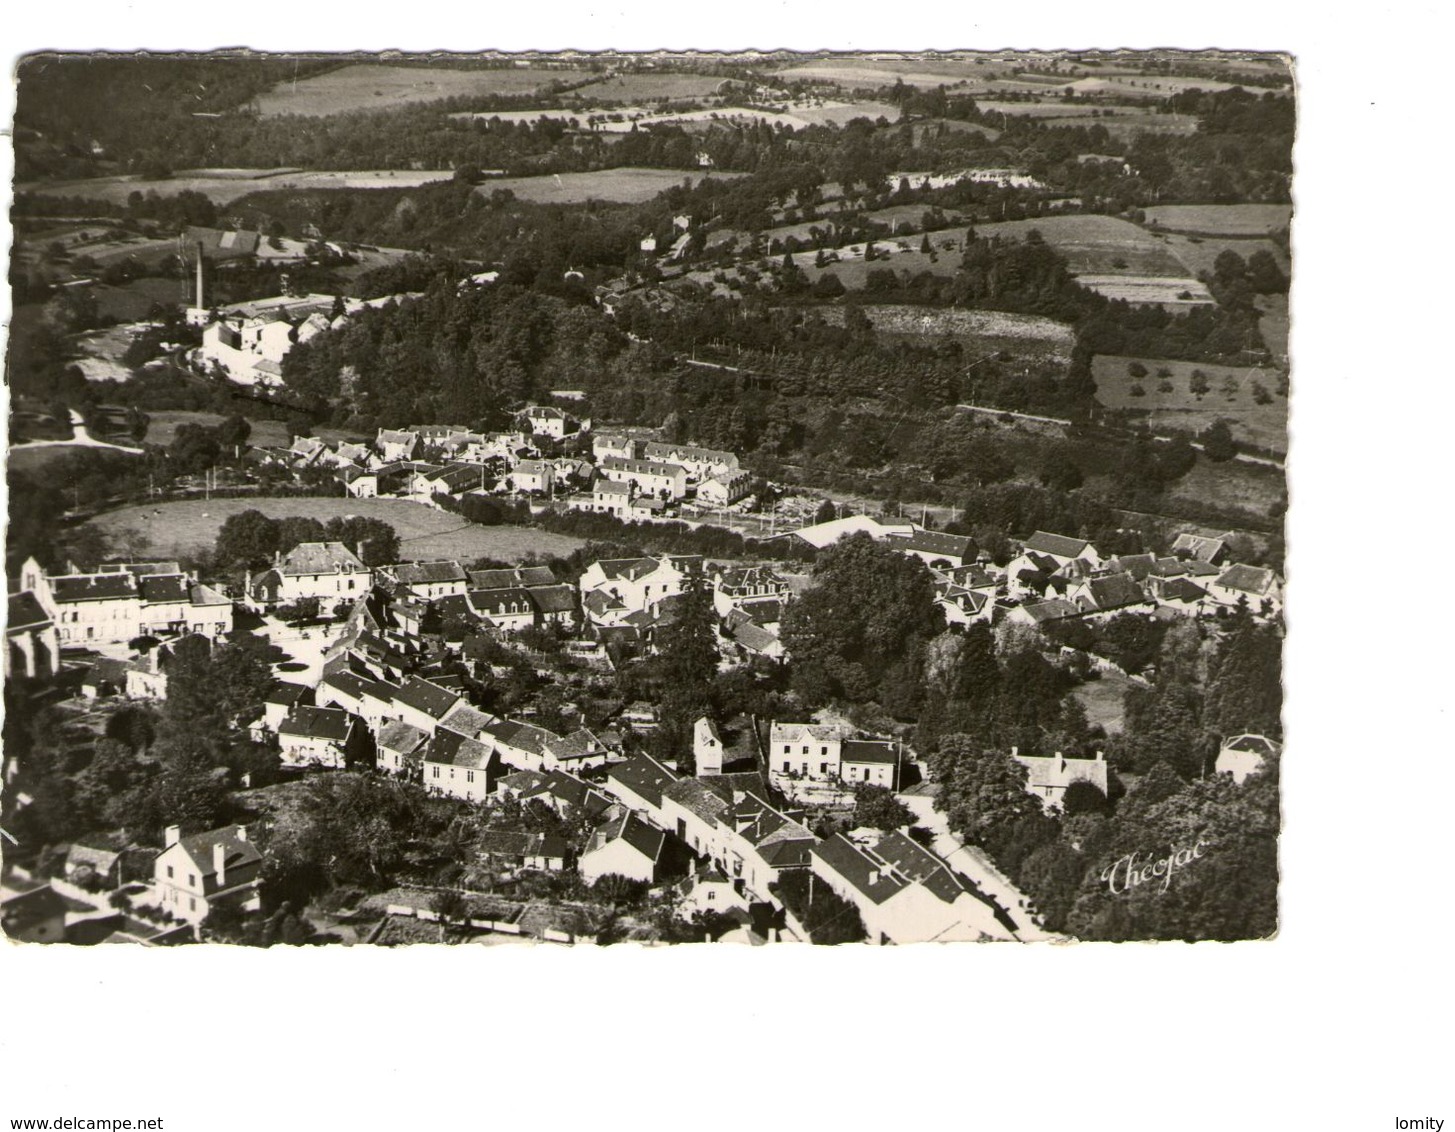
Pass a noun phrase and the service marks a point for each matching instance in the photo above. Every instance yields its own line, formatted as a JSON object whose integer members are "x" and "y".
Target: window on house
{"x": 436, "y": 771}
{"x": 787, "y": 766}
{"x": 191, "y": 880}
{"x": 169, "y": 872}
{"x": 469, "y": 776}
{"x": 192, "y": 903}
{"x": 823, "y": 768}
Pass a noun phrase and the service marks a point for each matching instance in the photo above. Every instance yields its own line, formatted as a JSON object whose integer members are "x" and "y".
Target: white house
{"x": 707, "y": 750}
{"x": 1255, "y": 587}
{"x": 872, "y": 762}
{"x": 638, "y": 784}
{"x": 397, "y": 444}
{"x": 635, "y": 584}
{"x": 509, "y": 610}
{"x": 667, "y": 481}
{"x": 400, "y": 747}
{"x": 627, "y": 847}
{"x": 1241, "y": 755}
{"x": 327, "y": 571}
{"x": 700, "y": 463}
{"x": 1047, "y": 778}
{"x": 547, "y": 420}
{"x": 722, "y": 489}
{"x": 317, "y": 737}
{"x": 426, "y": 580}
{"x": 533, "y": 477}
{"x": 620, "y": 445}
{"x": 120, "y": 601}
{"x": 192, "y": 875}
{"x": 460, "y": 767}
{"x": 804, "y": 750}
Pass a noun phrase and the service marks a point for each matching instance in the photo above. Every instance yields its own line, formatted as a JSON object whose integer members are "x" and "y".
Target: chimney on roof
{"x": 172, "y": 836}
{"x": 219, "y": 862}
{"x": 241, "y": 831}
{"x": 200, "y": 304}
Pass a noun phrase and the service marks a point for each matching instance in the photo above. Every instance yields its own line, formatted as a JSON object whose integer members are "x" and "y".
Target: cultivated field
{"x": 1221, "y": 219}
{"x": 1252, "y": 488}
{"x": 1149, "y": 290}
{"x": 623, "y": 186}
{"x": 884, "y": 72}
{"x": 1095, "y": 245}
{"x": 373, "y": 86}
{"x": 647, "y": 87}
{"x": 983, "y": 327}
{"x": 1231, "y": 396}
{"x": 1273, "y": 324}
{"x": 187, "y": 526}
{"x": 226, "y": 186}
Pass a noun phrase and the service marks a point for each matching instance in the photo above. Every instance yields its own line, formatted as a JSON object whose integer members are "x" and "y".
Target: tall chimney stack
{"x": 219, "y": 862}
{"x": 201, "y": 304}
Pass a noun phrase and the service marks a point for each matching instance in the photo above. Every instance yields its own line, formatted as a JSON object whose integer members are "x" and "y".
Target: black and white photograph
{"x": 668, "y": 498}
{"x": 689, "y": 515}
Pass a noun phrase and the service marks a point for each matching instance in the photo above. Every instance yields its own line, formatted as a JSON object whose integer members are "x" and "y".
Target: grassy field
{"x": 1221, "y": 219}
{"x": 1234, "y": 485}
{"x": 1179, "y": 408}
{"x": 1199, "y": 253}
{"x": 647, "y": 87}
{"x": 1104, "y": 701}
{"x": 1274, "y": 324}
{"x": 187, "y": 526}
{"x": 1173, "y": 291}
{"x": 883, "y": 72}
{"x": 134, "y": 301}
{"x": 226, "y": 186}
{"x": 1096, "y": 245}
{"x": 374, "y": 86}
{"x": 624, "y": 186}
{"x": 164, "y": 424}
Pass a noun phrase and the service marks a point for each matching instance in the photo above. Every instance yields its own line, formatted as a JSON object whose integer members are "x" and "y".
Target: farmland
{"x": 1231, "y": 396}
{"x": 370, "y": 86}
{"x": 165, "y": 422}
{"x": 1199, "y": 254}
{"x": 1149, "y": 290}
{"x": 1221, "y": 219}
{"x": 987, "y": 330}
{"x": 623, "y": 186}
{"x": 855, "y": 73}
{"x": 1098, "y": 245}
{"x": 639, "y": 87}
{"x": 187, "y": 527}
{"x": 226, "y": 186}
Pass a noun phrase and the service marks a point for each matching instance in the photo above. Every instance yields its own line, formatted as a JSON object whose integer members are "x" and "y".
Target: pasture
{"x": 184, "y": 527}
{"x": 872, "y": 72}
{"x": 1231, "y": 396}
{"x": 1199, "y": 253}
{"x": 1095, "y": 245}
{"x": 621, "y": 186}
{"x": 225, "y": 186}
{"x": 165, "y": 422}
{"x": 647, "y": 86}
{"x": 379, "y": 86}
{"x": 1220, "y": 219}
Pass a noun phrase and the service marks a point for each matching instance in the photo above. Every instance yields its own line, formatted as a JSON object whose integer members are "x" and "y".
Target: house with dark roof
{"x": 1041, "y": 612}
{"x": 875, "y": 762}
{"x": 399, "y": 748}
{"x": 567, "y": 795}
{"x": 424, "y": 580}
{"x": 32, "y": 647}
{"x": 508, "y": 611}
{"x": 903, "y": 892}
{"x": 935, "y": 548}
{"x": 36, "y": 915}
{"x": 626, "y": 846}
{"x": 639, "y": 783}
{"x": 545, "y": 852}
{"x": 282, "y": 698}
{"x": 1106, "y": 594}
{"x": 1211, "y": 549}
{"x": 460, "y": 767}
{"x": 424, "y": 703}
{"x": 579, "y": 751}
{"x": 192, "y": 875}
{"x": 632, "y": 585}
{"x": 329, "y": 737}
{"x": 1255, "y": 588}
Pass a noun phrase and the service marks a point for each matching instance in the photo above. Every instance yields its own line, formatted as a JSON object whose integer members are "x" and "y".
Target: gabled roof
{"x": 1115, "y": 591}
{"x": 555, "y": 599}
{"x": 427, "y": 696}
{"x": 870, "y": 751}
{"x": 1139, "y": 566}
{"x": 17, "y": 913}
{"x": 451, "y": 749}
{"x": 465, "y": 720}
{"x": 1052, "y": 610}
{"x": 320, "y": 558}
{"x": 237, "y": 848}
{"x": 510, "y": 578}
{"x": 287, "y": 694}
{"x": 1062, "y": 546}
{"x": 422, "y": 573}
{"x": 696, "y": 795}
{"x": 918, "y": 864}
{"x": 24, "y": 612}
{"x": 68, "y": 588}
{"x": 164, "y": 589}
{"x": 644, "y": 776}
{"x": 501, "y": 603}
{"x": 202, "y": 597}
{"x": 871, "y": 877}
{"x": 1201, "y": 547}
{"x": 1257, "y": 581}
{"x": 309, "y": 722}
{"x": 402, "y": 738}
{"x": 630, "y": 829}
{"x": 641, "y": 467}
{"x": 935, "y": 542}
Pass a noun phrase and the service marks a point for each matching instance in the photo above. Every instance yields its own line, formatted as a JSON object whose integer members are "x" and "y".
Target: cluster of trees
{"x": 1209, "y": 685}
{"x": 251, "y": 539}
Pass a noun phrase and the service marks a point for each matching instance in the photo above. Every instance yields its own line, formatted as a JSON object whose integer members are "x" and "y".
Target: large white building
{"x": 123, "y": 600}
{"x": 328, "y": 571}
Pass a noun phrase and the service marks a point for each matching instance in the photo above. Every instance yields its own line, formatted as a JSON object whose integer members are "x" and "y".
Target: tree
{"x": 827, "y": 512}
{"x": 1217, "y": 442}
{"x": 1197, "y": 384}
{"x": 234, "y": 431}
{"x": 878, "y": 808}
{"x": 1136, "y": 370}
{"x": 248, "y": 538}
{"x": 1083, "y": 798}
{"x": 983, "y": 794}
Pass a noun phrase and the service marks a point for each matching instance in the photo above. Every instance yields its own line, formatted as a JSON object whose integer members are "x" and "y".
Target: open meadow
{"x": 649, "y": 86}
{"x": 185, "y": 527}
{"x": 225, "y": 186}
{"x": 376, "y": 86}
{"x": 1220, "y": 219}
{"x": 1095, "y": 245}
{"x": 1232, "y": 395}
{"x": 621, "y": 186}
{"x": 982, "y": 330}
{"x": 1200, "y": 253}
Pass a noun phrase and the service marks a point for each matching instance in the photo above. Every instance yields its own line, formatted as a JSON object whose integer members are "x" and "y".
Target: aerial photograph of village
{"x": 671, "y": 497}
